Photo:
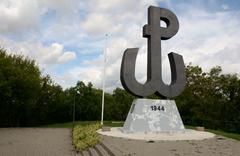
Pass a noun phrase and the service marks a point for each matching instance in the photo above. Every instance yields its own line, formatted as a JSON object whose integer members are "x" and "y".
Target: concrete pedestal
{"x": 147, "y": 115}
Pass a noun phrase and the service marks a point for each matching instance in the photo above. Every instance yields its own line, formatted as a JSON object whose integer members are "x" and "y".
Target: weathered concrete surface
{"x": 187, "y": 134}
{"x": 148, "y": 115}
{"x": 36, "y": 142}
{"x": 217, "y": 146}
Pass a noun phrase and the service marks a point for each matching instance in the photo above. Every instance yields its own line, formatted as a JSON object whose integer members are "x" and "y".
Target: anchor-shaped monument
{"x": 159, "y": 119}
{"x": 147, "y": 115}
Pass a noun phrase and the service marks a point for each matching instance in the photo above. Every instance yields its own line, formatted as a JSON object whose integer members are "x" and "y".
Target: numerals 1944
{"x": 157, "y": 108}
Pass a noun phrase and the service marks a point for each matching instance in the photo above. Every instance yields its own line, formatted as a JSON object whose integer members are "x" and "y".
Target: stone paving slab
{"x": 58, "y": 142}
{"x": 216, "y": 146}
{"x": 36, "y": 142}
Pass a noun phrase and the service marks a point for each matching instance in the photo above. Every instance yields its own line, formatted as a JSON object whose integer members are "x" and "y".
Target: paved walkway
{"x": 36, "y": 142}
{"x": 58, "y": 142}
{"x": 217, "y": 146}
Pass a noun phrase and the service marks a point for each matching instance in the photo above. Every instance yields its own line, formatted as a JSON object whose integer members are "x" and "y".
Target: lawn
{"x": 84, "y": 123}
{"x": 219, "y": 132}
{"x": 226, "y": 134}
{"x": 69, "y": 124}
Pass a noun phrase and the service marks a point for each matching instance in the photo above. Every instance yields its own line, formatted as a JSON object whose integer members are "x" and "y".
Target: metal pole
{"x": 104, "y": 66}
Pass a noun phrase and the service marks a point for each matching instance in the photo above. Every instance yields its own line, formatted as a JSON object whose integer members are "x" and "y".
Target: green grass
{"x": 68, "y": 124}
{"x": 219, "y": 132}
{"x": 226, "y": 134}
{"x": 59, "y": 125}
{"x": 83, "y": 123}
{"x": 113, "y": 123}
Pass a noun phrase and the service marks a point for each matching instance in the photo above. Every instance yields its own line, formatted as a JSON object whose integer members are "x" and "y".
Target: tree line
{"x": 27, "y": 98}
{"x": 211, "y": 99}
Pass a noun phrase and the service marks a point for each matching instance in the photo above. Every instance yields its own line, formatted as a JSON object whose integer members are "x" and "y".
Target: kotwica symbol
{"x": 154, "y": 84}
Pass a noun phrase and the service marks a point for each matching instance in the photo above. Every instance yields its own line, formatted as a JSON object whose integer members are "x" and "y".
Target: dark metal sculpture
{"x": 154, "y": 84}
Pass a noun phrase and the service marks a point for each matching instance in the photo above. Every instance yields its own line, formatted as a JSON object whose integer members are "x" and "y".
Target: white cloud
{"x": 63, "y": 7}
{"x": 86, "y": 74}
{"x": 19, "y": 17}
{"x": 205, "y": 38}
{"x": 97, "y": 24}
{"x": 201, "y": 39}
{"x": 16, "y": 16}
{"x": 54, "y": 54}
{"x": 45, "y": 56}
{"x": 67, "y": 56}
{"x": 114, "y": 16}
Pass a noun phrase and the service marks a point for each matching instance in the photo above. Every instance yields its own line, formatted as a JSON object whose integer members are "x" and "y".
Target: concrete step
{"x": 107, "y": 149}
{"x": 99, "y": 150}
{"x": 83, "y": 153}
{"x": 92, "y": 152}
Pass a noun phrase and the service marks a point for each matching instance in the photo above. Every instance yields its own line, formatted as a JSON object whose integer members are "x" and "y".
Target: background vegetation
{"x": 27, "y": 98}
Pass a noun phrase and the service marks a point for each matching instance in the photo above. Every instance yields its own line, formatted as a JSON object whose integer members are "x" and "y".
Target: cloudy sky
{"x": 67, "y": 37}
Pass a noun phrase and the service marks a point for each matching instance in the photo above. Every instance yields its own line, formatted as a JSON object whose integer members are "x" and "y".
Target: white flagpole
{"x": 104, "y": 66}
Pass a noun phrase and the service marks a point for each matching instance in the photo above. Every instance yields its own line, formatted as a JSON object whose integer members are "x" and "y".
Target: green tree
{"x": 122, "y": 102}
{"x": 87, "y": 101}
{"x": 210, "y": 99}
{"x": 19, "y": 89}
{"x": 52, "y": 105}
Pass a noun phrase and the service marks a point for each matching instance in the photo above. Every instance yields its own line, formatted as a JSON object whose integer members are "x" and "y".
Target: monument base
{"x": 148, "y": 115}
{"x": 187, "y": 134}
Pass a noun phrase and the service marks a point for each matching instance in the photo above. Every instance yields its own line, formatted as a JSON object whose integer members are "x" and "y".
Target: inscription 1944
{"x": 157, "y": 108}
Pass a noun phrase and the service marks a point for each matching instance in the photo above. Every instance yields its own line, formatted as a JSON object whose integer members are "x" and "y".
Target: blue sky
{"x": 67, "y": 37}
